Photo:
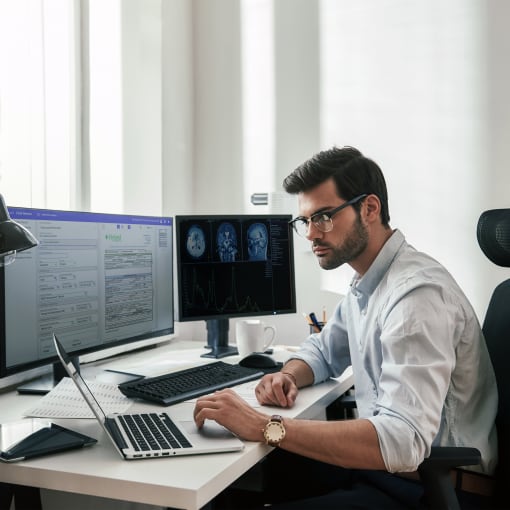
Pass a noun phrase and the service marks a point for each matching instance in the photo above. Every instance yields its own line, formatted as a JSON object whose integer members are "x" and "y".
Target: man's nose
{"x": 312, "y": 232}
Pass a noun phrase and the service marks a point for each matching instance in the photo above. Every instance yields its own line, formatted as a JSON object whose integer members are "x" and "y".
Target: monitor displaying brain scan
{"x": 233, "y": 266}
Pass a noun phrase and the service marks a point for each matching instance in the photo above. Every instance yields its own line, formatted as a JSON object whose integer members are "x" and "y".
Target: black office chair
{"x": 494, "y": 238}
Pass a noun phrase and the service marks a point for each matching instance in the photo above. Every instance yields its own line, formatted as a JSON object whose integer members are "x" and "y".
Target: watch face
{"x": 274, "y": 432}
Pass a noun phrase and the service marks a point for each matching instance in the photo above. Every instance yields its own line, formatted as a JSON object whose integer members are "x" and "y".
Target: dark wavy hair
{"x": 353, "y": 173}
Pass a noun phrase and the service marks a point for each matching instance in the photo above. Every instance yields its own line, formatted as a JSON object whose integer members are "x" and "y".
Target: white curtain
{"x": 38, "y": 103}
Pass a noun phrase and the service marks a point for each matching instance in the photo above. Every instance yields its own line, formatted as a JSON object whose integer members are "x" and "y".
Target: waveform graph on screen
{"x": 227, "y": 289}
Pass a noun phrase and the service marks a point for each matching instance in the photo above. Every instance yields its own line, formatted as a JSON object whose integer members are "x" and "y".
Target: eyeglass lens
{"x": 320, "y": 221}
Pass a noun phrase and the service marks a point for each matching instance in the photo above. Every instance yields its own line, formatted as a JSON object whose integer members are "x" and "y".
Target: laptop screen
{"x": 80, "y": 382}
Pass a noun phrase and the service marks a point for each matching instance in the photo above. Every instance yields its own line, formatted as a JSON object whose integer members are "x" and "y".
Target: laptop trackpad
{"x": 210, "y": 430}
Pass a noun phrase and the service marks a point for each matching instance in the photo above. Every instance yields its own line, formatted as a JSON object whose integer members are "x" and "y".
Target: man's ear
{"x": 372, "y": 207}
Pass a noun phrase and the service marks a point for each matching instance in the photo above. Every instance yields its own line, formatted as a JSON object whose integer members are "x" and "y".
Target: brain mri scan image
{"x": 257, "y": 241}
{"x": 226, "y": 243}
{"x": 195, "y": 243}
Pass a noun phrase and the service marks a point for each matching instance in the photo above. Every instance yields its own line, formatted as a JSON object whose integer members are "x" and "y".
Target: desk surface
{"x": 180, "y": 482}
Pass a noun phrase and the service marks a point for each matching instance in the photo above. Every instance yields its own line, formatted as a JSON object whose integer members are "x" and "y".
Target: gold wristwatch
{"x": 274, "y": 431}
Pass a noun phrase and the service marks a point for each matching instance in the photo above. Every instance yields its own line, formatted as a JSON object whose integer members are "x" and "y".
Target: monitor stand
{"x": 46, "y": 383}
{"x": 217, "y": 339}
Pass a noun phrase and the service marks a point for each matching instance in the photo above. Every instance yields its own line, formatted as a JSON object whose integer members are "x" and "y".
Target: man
{"x": 422, "y": 372}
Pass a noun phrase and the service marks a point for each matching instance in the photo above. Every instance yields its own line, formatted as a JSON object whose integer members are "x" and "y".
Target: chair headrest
{"x": 493, "y": 233}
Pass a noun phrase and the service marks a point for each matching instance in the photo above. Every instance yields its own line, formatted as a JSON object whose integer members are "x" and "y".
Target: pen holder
{"x": 313, "y": 328}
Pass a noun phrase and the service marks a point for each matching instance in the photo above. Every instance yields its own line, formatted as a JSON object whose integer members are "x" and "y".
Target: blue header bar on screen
{"x": 23, "y": 213}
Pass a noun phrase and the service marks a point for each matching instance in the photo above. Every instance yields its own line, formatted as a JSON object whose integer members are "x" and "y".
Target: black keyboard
{"x": 189, "y": 383}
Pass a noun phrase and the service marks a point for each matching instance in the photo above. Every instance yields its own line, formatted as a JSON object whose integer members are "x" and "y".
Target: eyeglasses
{"x": 323, "y": 220}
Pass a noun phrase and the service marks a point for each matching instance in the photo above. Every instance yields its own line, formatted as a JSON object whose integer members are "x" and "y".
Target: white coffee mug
{"x": 251, "y": 336}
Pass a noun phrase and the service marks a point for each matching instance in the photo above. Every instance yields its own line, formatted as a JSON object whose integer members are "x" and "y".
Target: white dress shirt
{"x": 422, "y": 372}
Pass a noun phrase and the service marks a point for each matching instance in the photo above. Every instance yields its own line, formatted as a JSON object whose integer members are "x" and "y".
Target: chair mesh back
{"x": 493, "y": 233}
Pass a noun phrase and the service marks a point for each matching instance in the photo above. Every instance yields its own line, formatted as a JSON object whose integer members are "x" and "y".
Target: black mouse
{"x": 258, "y": 360}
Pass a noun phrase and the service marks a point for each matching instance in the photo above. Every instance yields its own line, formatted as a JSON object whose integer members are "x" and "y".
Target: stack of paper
{"x": 65, "y": 401}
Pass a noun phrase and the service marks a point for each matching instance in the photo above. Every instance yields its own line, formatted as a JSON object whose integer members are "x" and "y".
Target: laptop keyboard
{"x": 153, "y": 431}
{"x": 189, "y": 383}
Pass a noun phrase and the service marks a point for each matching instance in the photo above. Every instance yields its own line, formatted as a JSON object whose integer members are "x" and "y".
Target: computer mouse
{"x": 258, "y": 360}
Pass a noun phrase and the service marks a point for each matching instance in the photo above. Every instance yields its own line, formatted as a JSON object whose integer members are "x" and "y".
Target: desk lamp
{"x": 13, "y": 236}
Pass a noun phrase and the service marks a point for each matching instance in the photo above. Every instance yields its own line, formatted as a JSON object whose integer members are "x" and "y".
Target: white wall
{"x": 415, "y": 86}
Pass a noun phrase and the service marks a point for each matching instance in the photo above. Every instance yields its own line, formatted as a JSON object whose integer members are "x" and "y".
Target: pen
{"x": 307, "y": 317}
{"x": 315, "y": 322}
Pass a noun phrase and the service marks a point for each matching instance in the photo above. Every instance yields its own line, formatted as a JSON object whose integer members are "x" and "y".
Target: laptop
{"x": 153, "y": 434}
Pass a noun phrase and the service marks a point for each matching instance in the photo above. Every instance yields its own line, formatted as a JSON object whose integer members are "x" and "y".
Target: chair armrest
{"x": 342, "y": 408}
{"x": 435, "y": 474}
{"x": 449, "y": 457}
{"x": 435, "y": 471}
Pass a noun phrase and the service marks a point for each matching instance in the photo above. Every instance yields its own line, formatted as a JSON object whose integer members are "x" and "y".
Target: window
{"x": 38, "y": 98}
{"x": 258, "y": 95}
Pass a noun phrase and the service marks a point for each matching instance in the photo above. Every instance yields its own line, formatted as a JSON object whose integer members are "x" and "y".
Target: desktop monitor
{"x": 96, "y": 280}
{"x": 233, "y": 266}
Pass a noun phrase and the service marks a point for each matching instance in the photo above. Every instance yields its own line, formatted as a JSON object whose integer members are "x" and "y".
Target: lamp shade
{"x": 13, "y": 236}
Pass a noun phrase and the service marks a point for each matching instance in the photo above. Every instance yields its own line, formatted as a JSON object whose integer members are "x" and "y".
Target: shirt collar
{"x": 371, "y": 279}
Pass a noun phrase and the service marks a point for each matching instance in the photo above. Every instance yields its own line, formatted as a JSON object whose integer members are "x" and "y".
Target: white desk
{"x": 180, "y": 482}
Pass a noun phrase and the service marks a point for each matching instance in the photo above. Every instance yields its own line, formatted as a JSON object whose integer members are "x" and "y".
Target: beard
{"x": 355, "y": 243}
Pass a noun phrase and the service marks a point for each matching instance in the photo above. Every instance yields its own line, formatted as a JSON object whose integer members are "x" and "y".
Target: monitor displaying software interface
{"x": 96, "y": 280}
{"x": 234, "y": 266}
